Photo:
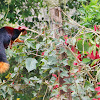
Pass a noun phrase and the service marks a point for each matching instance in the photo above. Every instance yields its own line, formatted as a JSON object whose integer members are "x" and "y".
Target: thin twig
{"x": 45, "y": 93}
{"x": 83, "y": 42}
{"x": 32, "y": 31}
{"x": 78, "y": 33}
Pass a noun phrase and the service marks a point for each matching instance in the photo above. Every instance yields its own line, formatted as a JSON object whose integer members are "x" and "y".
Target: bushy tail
{"x": 3, "y": 67}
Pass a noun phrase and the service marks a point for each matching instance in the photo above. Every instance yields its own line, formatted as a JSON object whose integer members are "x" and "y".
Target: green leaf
{"x": 64, "y": 88}
{"x": 86, "y": 60}
{"x": 38, "y": 46}
{"x": 45, "y": 61}
{"x": 87, "y": 83}
{"x": 74, "y": 41}
{"x": 92, "y": 48}
{"x": 54, "y": 70}
{"x": 64, "y": 74}
{"x": 34, "y": 78}
{"x": 31, "y": 64}
{"x": 80, "y": 45}
{"x": 52, "y": 60}
{"x": 45, "y": 67}
{"x": 17, "y": 87}
{"x": 62, "y": 50}
{"x": 81, "y": 0}
{"x": 95, "y": 61}
{"x": 85, "y": 98}
{"x": 64, "y": 62}
{"x": 92, "y": 41}
{"x": 9, "y": 90}
{"x": 98, "y": 75}
{"x": 25, "y": 79}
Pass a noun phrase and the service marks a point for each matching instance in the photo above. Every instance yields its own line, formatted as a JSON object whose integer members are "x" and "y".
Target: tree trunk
{"x": 56, "y": 19}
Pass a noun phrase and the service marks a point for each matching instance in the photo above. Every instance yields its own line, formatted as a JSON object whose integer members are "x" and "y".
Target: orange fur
{"x": 24, "y": 33}
{"x": 18, "y": 40}
{"x": 11, "y": 42}
{"x": 3, "y": 67}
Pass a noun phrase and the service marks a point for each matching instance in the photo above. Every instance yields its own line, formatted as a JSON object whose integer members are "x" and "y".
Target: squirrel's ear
{"x": 24, "y": 32}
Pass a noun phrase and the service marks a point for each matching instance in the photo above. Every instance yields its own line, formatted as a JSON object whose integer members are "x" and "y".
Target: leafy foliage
{"x": 37, "y": 65}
